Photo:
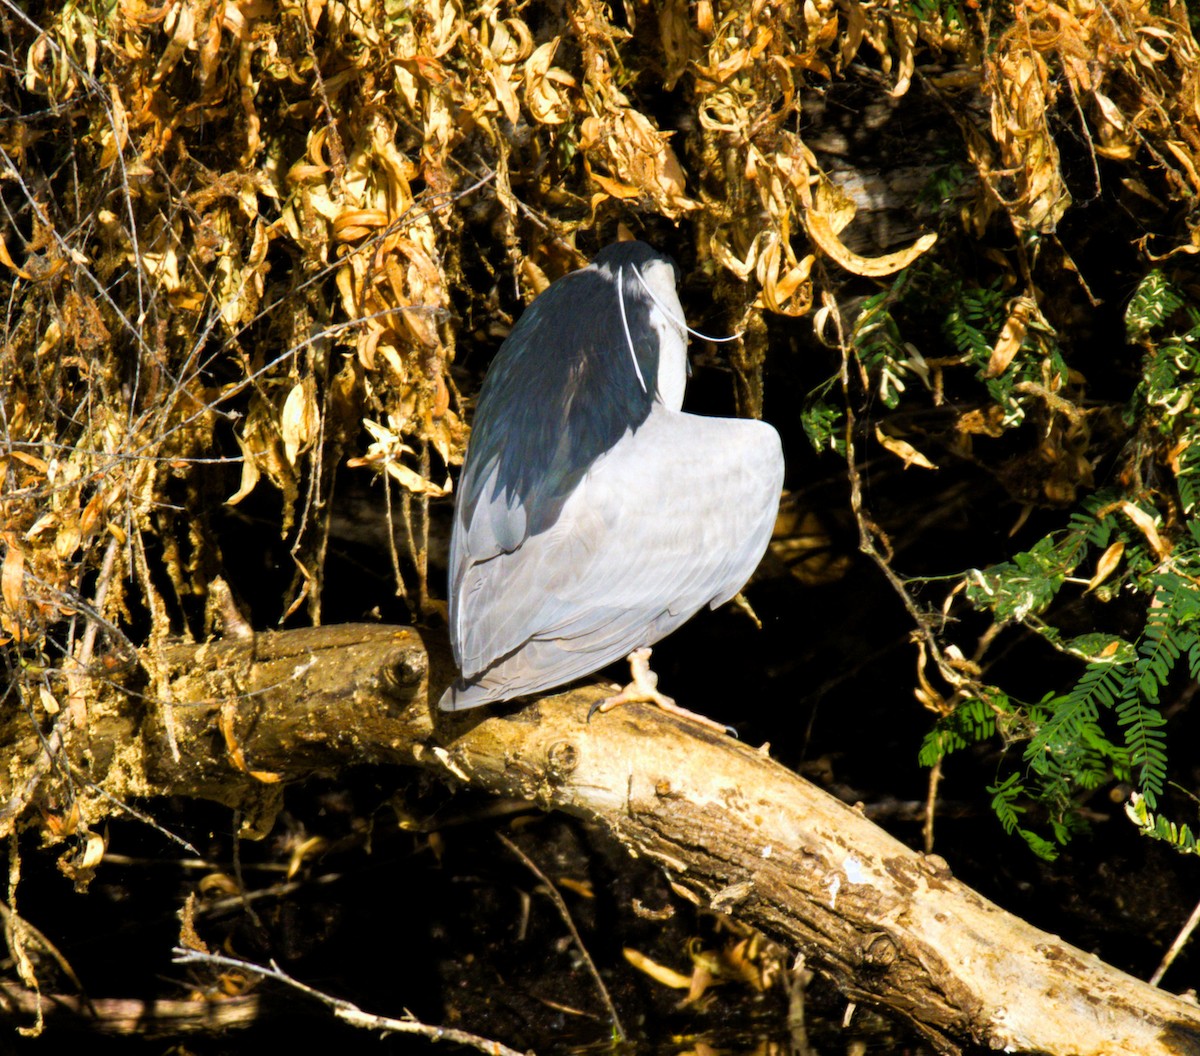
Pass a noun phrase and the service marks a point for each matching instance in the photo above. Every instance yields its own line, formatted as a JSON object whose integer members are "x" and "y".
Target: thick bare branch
{"x": 733, "y": 829}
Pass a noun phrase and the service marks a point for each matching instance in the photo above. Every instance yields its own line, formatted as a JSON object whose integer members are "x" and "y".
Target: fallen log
{"x": 733, "y": 830}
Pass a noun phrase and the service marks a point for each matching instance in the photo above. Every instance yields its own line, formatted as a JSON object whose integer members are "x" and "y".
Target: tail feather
{"x": 463, "y": 695}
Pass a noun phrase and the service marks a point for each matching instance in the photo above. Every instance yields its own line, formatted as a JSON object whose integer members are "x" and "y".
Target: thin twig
{"x": 133, "y": 812}
{"x": 389, "y": 519}
{"x": 423, "y": 550}
{"x": 243, "y": 894}
{"x": 346, "y": 1011}
{"x": 565, "y": 913}
{"x": 1179, "y": 943}
{"x": 867, "y": 530}
{"x": 76, "y": 698}
{"x": 935, "y": 778}
{"x": 195, "y": 865}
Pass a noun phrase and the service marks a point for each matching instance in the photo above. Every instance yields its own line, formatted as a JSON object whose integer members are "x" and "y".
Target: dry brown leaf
{"x": 388, "y": 450}
{"x": 12, "y": 577}
{"x": 675, "y": 36}
{"x": 1107, "y": 565}
{"x": 660, "y": 973}
{"x": 218, "y": 885}
{"x": 903, "y": 450}
{"x": 1012, "y": 335}
{"x": 821, "y": 231}
{"x": 300, "y": 419}
{"x": 615, "y": 188}
{"x": 39, "y": 465}
{"x": 262, "y": 452}
{"x": 510, "y": 40}
{"x": 546, "y": 87}
{"x": 1145, "y": 524}
{"x": 304, "y": 851}
{"x": 412, "y": 481}
{"x": 93, "y": 852}
{"x": 991, "y": 421}
{"x": 48, "y": 701}
{"x": 8, "y": 262}
{"x": 904, "y": 34}
{"x": 784, "y": 281}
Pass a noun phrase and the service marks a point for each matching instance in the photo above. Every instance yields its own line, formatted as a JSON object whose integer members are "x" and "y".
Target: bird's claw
{"x": 644, "y": 689}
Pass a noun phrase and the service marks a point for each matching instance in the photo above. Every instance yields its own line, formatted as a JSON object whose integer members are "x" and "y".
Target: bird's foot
{"x": 644, "y": 690}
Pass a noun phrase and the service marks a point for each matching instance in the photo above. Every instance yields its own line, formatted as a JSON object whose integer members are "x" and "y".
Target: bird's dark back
{"x": 562, "y": 389}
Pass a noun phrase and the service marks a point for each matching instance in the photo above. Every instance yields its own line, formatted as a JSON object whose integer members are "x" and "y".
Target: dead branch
{"x": 733, "y": 829}
{"x": 345, "y": 1010}
{"x": 554, "y": 896}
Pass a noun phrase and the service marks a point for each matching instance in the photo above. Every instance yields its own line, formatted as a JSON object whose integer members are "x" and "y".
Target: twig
{"x": 195, "y": 865}
{"x": 565, "y": 913}
{"x": 133, "y": 812}
{"x": 867, "y": 530}
{"x": 346, "y": 1011}
{"x": 76, "y": 698}
{"x": 243, "y": 894}
{"x": 401, "y": 590}
{"x": 798, "y": 979}
{"x": 13, "y": 171}
{"x": 1180, "y": 941}
{"x": 935, "y": 777}
{"x": 423, "y": 551}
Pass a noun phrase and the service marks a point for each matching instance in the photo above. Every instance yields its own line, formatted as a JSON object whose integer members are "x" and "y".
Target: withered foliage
{"x": 1132, "y": 76}
{"x": 256, "y": 232}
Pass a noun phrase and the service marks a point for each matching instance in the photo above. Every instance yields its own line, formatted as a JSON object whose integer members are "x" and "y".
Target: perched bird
{"x": 594, "y": 516}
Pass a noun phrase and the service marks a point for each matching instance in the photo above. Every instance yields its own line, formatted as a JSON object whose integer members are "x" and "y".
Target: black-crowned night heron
{"x": 594, "y": 516}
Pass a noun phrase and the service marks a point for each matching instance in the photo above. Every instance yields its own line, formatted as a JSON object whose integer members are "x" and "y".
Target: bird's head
{"x": 648, "y": 320}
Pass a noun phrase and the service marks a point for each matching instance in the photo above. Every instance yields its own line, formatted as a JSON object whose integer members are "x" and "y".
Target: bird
{"x": 594, "y": 516}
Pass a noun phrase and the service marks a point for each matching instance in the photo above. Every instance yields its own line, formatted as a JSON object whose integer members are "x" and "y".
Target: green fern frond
{"x": 1015, "y": 590}
{"x": 1187, "y": 476}
{"x": 1147, "y": 744}
{"x": 1009, "y": 812}
{"x": 1159, "y": 828}
{"x": 973, "y": 721}
{"x": 880, "y": 348}
{"x": 1097, "y": 520}
{"x": 1040, "y": 846}
{"x": 824, "y": 424}
{"x": 1152, "y": 303}
{"x": 1100, "y": 648}
{"x": 1070, "y": 748}
{"x": 1004, "y": 796}
{"x": 1170, "y": 632}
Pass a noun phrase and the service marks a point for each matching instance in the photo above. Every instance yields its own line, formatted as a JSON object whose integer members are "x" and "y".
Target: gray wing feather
{"x": 675, "y": 516}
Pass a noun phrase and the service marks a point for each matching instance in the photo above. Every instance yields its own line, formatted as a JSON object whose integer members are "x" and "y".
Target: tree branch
{"x": 731, "y": 827}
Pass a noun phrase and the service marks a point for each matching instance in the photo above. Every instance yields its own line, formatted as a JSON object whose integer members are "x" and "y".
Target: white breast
{"x": 672, "y": 337}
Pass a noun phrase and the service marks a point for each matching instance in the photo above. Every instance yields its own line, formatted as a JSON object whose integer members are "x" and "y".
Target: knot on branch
{"x": 878, "y": 951}
{"x": 562, "y": 757}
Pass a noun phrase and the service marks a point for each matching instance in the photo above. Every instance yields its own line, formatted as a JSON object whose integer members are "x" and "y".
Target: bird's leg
{"x": 644, "y": 690}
